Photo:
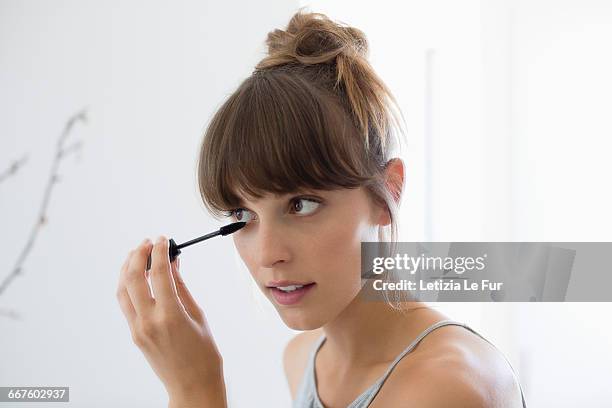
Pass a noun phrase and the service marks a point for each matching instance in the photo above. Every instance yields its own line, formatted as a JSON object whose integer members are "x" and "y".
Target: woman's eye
{"x": 305, "y": 206}
{"x": 300, "y": 205}
{"x": 241, "y": 214}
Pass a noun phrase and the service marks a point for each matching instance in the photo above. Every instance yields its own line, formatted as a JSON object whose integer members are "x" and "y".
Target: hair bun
{"x": 338, "y": 56}
{"x": 313, "y": 38}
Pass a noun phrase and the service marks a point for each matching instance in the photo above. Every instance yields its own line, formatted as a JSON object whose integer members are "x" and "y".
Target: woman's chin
{"x": 302, "y": 320}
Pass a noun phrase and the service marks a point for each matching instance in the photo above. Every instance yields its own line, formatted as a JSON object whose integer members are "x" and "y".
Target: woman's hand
{"x": 170, "y": 328}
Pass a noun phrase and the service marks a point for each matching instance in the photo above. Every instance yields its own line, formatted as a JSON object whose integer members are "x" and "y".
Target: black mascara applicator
{"x": 174, "y": 250}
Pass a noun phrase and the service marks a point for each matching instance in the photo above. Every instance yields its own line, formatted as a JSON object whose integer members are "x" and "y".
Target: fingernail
{"x": 160, "y": 239}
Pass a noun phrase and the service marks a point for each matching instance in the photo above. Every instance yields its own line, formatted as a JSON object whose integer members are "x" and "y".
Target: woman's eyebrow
{"x": 278, "y": 196}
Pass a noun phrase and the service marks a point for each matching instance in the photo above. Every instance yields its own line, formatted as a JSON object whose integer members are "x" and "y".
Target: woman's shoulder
{"x": 296, "y": 354}
{"x": 452, "y": 366}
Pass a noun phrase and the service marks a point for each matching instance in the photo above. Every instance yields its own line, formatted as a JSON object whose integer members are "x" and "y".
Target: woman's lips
{"x": 290, "y": 298}
{"x": 283, "y": 282}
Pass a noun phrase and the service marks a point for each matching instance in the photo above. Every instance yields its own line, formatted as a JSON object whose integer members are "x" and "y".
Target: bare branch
{"x": 75, "y": 147}
{"x": 42, "y": 218}
{"x": 12, "y": 170}
{"x": 10, "y": 313}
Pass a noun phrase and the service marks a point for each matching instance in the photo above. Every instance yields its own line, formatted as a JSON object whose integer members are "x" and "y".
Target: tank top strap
{"x": 316, "y": 401}
{"x": 307, "y": 396}
{"x": 505, "y": 358}
{"x": 367, "y": 397}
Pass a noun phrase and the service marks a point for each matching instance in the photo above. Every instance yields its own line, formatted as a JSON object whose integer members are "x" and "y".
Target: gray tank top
{"x": 308, "y": 397}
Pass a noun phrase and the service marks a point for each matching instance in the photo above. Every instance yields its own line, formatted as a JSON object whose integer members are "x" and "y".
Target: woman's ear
{"x": 394, "y": 181}
{"x": 394, "y": 172}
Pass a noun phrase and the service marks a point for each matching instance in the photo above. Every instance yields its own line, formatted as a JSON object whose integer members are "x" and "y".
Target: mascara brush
{"x": 174, "y": 250}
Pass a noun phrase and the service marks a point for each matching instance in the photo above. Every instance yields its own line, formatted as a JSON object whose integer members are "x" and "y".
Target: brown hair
{"x": 313, "y": 114}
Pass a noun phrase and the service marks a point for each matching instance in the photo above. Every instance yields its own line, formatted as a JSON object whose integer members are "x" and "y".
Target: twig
{"x": 10, "y": 313}
{"x": 12, "y": 170}
{"x": 41, "y": 219}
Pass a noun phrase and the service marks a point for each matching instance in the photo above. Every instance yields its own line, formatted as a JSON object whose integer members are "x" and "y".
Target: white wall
{"x": 151, "y": 74}
{"x": 562, "y": 94}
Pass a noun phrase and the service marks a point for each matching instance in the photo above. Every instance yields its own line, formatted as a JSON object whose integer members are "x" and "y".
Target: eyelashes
{"x": 232, "y": 213}
{"x": 310, "y": 203}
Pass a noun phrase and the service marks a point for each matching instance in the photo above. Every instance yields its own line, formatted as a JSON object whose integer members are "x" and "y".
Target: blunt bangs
{"x": 279, "y": 133}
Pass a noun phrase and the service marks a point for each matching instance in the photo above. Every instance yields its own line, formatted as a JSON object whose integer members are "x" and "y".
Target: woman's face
{"x": 312, "y": 238}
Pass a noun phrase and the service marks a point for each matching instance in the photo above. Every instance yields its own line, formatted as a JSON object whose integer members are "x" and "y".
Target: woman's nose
{"x": 273, "y": 243}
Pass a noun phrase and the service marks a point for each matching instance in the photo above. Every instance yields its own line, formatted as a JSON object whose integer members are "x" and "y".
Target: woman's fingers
{"x": 135, "y": 280}
{"x": 180, "y": 348}
{"x": 122, "y": 295}
{"x": 126, "y": 305}
{"x": 161, "y": 277}
{"x": 191, "y": 306}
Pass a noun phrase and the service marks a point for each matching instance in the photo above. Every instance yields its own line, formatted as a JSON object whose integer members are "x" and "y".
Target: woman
{"x": 302, "y": 151}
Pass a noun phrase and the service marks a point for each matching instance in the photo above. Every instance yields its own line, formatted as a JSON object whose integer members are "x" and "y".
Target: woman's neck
{"x": 371, "y": 332}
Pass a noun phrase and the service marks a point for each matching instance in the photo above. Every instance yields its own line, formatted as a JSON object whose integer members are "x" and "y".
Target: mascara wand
{"x": 174, "y": 250}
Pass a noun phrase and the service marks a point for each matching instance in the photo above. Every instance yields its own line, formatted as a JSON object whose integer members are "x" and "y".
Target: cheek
{"x": 339, "y": 248}
{"x": 242, "y": 246}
